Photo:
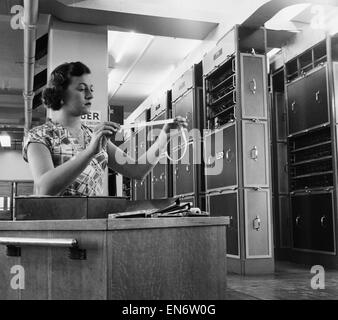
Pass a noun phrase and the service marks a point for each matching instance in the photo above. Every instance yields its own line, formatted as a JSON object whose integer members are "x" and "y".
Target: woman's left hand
{"x": 179, "y": 122}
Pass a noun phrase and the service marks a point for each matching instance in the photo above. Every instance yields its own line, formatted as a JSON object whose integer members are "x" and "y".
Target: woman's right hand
{"x": 100, "y": 134}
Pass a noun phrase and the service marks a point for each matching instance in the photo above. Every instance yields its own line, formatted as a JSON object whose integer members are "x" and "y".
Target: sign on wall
{"x": 92, "y": 119}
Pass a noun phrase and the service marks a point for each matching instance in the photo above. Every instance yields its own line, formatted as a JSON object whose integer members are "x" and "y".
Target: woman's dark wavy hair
{"x": 59, "y": 81}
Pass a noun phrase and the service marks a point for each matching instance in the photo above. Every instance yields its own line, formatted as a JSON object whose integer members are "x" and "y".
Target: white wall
{"x": 13, "y": 167}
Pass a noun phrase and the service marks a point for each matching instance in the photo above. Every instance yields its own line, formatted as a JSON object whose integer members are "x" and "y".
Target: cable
{"x": 185, "y": 144}
{"x": 154, "y": 123}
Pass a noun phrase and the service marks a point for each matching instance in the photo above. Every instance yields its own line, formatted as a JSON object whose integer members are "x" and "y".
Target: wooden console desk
{"x": 142, "y": 258}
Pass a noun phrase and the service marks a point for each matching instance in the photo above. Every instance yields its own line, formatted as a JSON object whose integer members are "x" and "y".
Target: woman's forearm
{"x": 56, "y": 180}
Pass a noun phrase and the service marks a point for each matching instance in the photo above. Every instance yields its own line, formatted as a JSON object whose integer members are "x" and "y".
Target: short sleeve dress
{"x": 63, "y": 147}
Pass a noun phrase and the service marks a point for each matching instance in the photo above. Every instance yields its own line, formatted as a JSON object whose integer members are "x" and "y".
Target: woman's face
{"x": 79, "y": 95}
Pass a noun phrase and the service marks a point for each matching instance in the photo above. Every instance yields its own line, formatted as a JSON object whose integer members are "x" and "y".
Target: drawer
{"x": 253, "y": 87}
{"x": 255, "y": 154}
{"x": 258, "y": 237}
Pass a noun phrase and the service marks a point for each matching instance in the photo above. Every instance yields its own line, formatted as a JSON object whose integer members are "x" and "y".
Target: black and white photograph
{"x": 184, "y": 152}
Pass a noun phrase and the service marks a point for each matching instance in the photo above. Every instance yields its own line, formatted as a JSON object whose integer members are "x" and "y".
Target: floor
{"x": 289, "y": 282}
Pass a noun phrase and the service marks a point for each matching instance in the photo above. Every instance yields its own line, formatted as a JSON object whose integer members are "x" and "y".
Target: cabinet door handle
{"x": 323, "y": 220}
{"x": 318, "y": 96}
{"x": 254, "y": 153}
{"x": 187, "y": 168}
{"x": 293, "y": 104}
{"x": 228, "y": 155}
{"x": 253, "y": 86}
{"x": 297, "y": 221}
{"x": 257, "y": 223}
{"x": 233, "y": 65}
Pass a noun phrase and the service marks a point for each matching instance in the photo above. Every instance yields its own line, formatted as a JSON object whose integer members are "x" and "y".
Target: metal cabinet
{"x": 312, "y": 217}
{"x": 307, "y": 101}
{"x": 141, "y": 187}
{"x": 220, "y": 158}
{"x": 183, "y": 171}
{"x": 159, "y": 180}
{"x": 284, "y": 221}
{"x": 224, "y": 48}
{"x": 183, "y": 84}
{"x": 282, "y": 165}
{"x": 253, "y": 86}
{"x": 225, "y": 204}
{"x": 184, "y": 107}
{"x": 140, "y": 190}
{"x": 257, "y": 212}
{"x": 280, "y": 116}
{"x": 255, "y": 154}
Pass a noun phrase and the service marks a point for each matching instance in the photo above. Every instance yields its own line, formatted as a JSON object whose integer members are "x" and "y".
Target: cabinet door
{"x": 253, "y": 86}
{"x": 297, "y": 111}
{"x": 307, "y": 102}
{"x": 184, "y": 107}
{"x": 316, "y": 99}
{"x": 220, "y": 158}
{"x": 141, "y": 142}
{"x": 321, "y": 221}
{"x": 257, "y": 223}
{"x": 301, "y": 207}
{"x": 255, "y": 154}
{"x": 183, "y": 84}
{"x": 220, "y": 53}
{"x": 280, "y": 108}
{"x": 184, "y": 172}
{"x": 140, "y": 190}
{"x": 282, "y": 161}
{"x": 226, "y": 205}
{"x": 285, "y": 222}
{"x": 159, "y": 181}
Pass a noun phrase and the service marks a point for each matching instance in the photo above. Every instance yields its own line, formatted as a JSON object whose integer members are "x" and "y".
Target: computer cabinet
{"x": 140, "y": 146}
{"x": 160, "y": 176}
{"x": 187, "y": 100}
{"x": 307, "y": 196}
{"x": 236, "y": 146}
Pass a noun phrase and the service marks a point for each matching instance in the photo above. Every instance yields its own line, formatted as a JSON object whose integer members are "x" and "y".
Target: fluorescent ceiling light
{"x": 273, "y": 52}
{"x": 5, "y": 140}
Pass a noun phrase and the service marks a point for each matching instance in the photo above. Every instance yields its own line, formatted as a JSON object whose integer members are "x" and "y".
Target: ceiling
{"x": 147, "y": 39}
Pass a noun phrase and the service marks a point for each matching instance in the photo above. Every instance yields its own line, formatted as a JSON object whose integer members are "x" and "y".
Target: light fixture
{"x": 5, "y": 140}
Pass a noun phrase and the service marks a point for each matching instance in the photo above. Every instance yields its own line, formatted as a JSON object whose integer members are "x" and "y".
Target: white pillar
{"x": 70, "y": 42}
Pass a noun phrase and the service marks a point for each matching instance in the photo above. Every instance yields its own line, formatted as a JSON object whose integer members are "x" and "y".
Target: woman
{"x": 67, "y": 158}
